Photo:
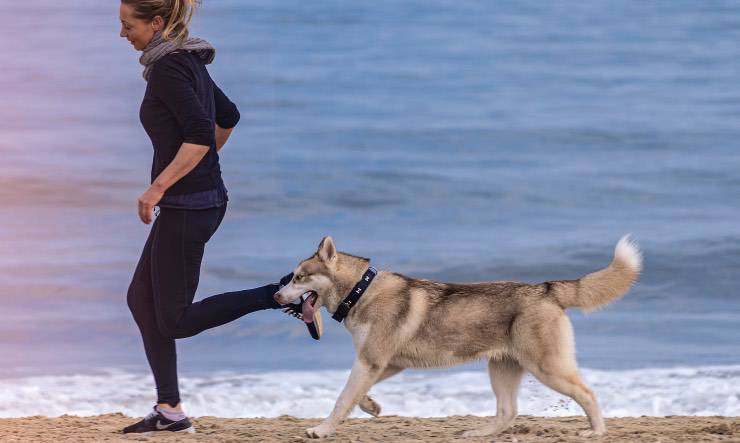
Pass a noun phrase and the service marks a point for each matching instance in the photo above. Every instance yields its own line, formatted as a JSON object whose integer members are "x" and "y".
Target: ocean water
{"x": 309, "y": 394}
{"x": 458, "y": 141}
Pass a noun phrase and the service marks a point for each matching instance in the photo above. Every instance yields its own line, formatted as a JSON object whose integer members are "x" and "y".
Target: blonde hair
{"x": 177, "y": 14}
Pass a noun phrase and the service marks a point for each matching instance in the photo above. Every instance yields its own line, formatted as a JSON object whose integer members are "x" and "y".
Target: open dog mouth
{"x": 308, "y": 305}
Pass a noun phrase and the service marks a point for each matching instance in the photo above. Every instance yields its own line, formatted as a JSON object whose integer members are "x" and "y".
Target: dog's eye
{"x": 299, "y": 277}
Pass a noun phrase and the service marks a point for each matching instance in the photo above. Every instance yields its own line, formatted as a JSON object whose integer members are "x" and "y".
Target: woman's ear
{"x": 157, "y": 23}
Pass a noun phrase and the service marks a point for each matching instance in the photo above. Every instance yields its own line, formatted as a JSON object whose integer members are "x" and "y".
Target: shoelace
{"x": 293, "y": 310}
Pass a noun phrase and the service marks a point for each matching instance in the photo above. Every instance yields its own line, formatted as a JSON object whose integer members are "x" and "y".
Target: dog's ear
{"x": 327, "y": 251}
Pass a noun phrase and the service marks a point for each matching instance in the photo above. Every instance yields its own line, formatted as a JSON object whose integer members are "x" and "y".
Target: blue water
{"x": 452, "y": 140}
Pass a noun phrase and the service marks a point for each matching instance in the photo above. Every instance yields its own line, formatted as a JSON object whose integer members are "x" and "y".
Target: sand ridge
{"x": 104, "y": 428}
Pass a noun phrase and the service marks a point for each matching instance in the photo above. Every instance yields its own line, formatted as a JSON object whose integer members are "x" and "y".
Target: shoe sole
{"x": 190, "y": 430}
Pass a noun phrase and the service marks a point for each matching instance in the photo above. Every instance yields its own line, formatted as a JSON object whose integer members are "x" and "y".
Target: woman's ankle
{"x": 169, "y": 408}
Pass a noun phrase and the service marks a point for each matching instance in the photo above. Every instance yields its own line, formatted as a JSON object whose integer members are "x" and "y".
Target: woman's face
{"x": 137, "y": 31}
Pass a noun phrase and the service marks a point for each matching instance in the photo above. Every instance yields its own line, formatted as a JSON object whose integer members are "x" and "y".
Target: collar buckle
{"x": 342, "y": 311}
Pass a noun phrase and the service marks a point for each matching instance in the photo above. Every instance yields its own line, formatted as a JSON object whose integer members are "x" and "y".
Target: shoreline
{"x": 382, "y": 429}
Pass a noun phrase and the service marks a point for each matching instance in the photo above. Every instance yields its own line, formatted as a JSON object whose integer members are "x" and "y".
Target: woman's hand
{"x": 187, "y": 158}
{"x": 148, "y": 201}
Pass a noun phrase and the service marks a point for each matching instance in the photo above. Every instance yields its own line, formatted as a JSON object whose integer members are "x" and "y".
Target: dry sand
{"x": 384, "y": 429}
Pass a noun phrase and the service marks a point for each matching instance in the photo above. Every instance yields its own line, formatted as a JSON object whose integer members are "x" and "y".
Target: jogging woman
{"x": 188, "y": 119}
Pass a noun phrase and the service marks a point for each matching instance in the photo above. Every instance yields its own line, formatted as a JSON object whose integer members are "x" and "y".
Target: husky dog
{"x": 403, "y": 322}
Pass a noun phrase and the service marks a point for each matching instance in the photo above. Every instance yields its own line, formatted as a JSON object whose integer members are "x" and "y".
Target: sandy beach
{"x": 105, "y": 428}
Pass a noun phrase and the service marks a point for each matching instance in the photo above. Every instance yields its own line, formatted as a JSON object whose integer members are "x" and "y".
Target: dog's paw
{"x": 321, "y": 431}
{"x": 369, "y": 406}
{"x": 480, "y": 432}
{"x": 592, "y": 433}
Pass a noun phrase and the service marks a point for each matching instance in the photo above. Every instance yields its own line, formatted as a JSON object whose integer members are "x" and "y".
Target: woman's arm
{"x": 227, "y": 116}
{"x": 222, "y": 136}
{"x": 187, "y": 158}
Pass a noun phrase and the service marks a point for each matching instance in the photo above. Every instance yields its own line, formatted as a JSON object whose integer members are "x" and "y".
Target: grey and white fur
{"x": 403, "y": 322}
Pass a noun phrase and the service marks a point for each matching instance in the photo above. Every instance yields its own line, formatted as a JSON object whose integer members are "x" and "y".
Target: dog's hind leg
{"x": 552, "y": 361}
{"x": 361, "y": 378}
{"x": 505, "y": 377}
{"x": 566, "y": 380}
{"x": 370, "y": 406}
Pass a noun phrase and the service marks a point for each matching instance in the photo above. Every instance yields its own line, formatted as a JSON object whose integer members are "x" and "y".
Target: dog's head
{"x": 313, "y": 279}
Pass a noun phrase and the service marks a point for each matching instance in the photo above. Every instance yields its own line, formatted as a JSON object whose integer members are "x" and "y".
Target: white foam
{"x": 656, "y": 392}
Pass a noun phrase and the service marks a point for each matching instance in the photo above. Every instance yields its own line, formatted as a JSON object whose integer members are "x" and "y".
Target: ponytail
{"x": 182, "y": 14}
{"x": 177, "y": 15}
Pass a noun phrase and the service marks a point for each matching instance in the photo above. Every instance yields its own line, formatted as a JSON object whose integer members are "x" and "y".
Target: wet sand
{"x": 105, "y": 428}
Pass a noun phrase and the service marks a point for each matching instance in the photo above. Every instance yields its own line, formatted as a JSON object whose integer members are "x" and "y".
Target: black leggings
{"x": 163, "y": 287}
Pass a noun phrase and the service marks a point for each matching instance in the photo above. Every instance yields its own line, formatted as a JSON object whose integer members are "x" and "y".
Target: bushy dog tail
{"x": 601, "y": 287}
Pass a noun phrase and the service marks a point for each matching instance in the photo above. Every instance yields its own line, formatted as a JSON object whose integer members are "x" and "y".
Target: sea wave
{"x": 711, "y": 390}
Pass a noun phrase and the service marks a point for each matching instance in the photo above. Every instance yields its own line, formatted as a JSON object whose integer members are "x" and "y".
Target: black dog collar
{"x": 354, "y": 295}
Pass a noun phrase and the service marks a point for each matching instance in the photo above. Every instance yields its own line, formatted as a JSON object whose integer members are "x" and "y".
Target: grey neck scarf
{"x": 159, "y": 47}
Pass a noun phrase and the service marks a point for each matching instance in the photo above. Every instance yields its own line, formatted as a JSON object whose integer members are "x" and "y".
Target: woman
{"x": 188, "y": 119}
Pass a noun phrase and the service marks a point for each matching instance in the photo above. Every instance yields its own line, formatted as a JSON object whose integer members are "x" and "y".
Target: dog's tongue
{"x": 308, "y": 309}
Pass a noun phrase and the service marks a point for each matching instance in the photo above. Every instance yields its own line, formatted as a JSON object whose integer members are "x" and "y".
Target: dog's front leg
{"x": 361, "y": 378}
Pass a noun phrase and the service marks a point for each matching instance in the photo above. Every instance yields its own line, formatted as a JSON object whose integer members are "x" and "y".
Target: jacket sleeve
{"x": 227, "y": 115}
{"x": 172, "y": 84}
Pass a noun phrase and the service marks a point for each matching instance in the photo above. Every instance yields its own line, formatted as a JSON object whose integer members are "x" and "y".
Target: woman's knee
{"x": 170, "y": 328}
